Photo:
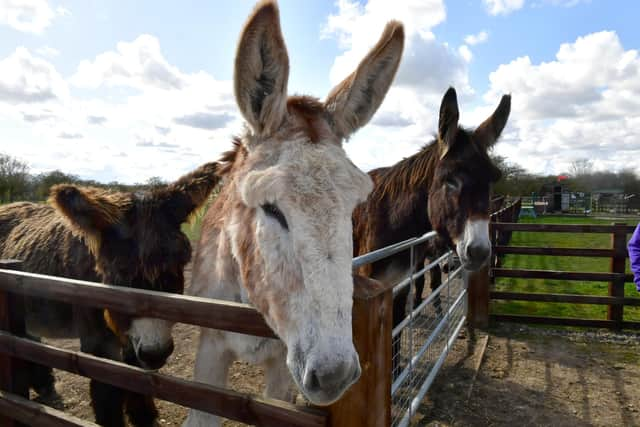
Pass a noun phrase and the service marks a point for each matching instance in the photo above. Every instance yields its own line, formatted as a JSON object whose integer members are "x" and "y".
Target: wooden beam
{"x": 557, "y": 275}
{"x": 36, "y": 414}
{"x": 13, "y": 372}
{"x": 226, "y": 403}
{"x": 478, "y": 284}
{"x": 209, "y": 313}
{"x": 564, "y": 298}
{"x": 368, "y": 402}
{"x": 527, "y": 250}
{"x": 617, "y": 265}
{"x": 561, "y": 228}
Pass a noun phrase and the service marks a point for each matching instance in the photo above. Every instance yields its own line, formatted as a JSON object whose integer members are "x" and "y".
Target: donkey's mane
{"x": 228, "y": 158}
{"x": 408, "y": 174}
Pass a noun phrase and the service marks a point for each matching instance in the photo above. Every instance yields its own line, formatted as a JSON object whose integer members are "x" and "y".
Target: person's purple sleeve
{"x": 634, "y": 255}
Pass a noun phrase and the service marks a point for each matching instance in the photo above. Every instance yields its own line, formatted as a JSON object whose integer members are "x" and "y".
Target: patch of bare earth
{"x": 536, "y": 377}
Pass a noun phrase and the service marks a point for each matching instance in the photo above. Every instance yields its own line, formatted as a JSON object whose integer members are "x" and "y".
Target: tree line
{"x": 581, "y": 177}
{"x": 17, "y": 183}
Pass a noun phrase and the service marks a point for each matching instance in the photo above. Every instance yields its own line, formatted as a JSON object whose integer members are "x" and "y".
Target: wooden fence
{"x": 479, "y": 281}
{"x": 616, "y": 276}
{"x": 372, "y": 326}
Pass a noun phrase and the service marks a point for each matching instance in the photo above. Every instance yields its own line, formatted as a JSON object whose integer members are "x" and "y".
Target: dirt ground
{"x": 539, "y": 377}
{"x": 528, "y": 377}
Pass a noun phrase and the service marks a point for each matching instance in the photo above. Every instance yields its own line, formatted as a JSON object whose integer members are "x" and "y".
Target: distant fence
{"x": 480, "y": 283}
{"x": 616, "y": 276}
{"x": 372, "y": 326}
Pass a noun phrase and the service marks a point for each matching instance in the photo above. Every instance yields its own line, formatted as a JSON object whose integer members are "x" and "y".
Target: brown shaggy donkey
{"x": 123, "y": 239}
{"x": 444, "y": 187}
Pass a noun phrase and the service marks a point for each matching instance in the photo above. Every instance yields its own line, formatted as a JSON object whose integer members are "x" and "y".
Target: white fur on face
{"x": 307, "y": 268}
{"x": 475, "y": 235}
{"x": 149, "y": 335}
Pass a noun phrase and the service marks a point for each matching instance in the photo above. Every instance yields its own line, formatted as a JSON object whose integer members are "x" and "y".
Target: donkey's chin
{"x": 326, "y": 396}
{"x": 330, "y": 388}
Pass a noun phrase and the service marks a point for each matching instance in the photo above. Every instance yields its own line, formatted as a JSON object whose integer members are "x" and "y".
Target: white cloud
{"x": 138, "y": 64}
{"x": 25, "y": 79}
{"x": 465, "y": 52}
{"x": 166, "y": 121}
{"x": 474, "y": 39}
{"x": 31, "y": 16}
{"x": 503, "y": 7}
{"x": 48, "y": 51}
{"x": 584, "y": 104}
{"x": 408, "y": 115}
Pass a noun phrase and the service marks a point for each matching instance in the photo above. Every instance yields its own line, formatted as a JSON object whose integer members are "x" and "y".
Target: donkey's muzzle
{"x": 155, "y": 357}
{"x": 477, "y": 255}
{"x": 325, "y": 383}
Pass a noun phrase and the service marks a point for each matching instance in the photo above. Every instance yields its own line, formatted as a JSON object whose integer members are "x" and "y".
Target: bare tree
{"x": 581, "y": 167}
{"x": 14, "y": 179}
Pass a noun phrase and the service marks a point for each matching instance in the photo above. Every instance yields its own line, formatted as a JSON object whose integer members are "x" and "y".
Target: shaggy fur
{"x": 444, "y": 187}
{"x": 279, "y": 234}
{"x": 122, "y": 239}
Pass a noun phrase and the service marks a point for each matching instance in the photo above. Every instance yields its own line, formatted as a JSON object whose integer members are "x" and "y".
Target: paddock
{"x": 450, "y": 375}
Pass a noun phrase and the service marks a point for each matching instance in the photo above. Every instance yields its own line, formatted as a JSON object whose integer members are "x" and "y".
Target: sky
{"x": 121, "y": 90}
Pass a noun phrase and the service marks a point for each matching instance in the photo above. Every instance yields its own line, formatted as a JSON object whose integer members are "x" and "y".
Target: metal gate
{"x": 423, "y": 339}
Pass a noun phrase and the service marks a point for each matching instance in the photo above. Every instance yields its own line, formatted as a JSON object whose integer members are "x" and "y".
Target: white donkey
{"x": 279, "y": 234}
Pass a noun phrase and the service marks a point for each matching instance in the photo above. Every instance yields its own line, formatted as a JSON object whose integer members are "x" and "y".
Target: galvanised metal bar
{"x": 415, "y": 402}
{"x": 401, "y": 285}
{"x": 426, "y": 301}
{"x": 391, "y": 250}
{"x": 436, "y": 332}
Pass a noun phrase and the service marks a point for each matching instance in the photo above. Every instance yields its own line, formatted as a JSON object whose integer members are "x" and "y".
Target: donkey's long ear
{"x": 448, "y": 120}
{"x": 89, "y": 210}
{"x": 489, "y": 131}
{"x": 353, "y": 102}
{"x": 262, "y": 70}
{"x": 181, "y": 198}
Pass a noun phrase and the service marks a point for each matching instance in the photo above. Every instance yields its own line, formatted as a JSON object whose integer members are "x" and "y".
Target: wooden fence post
{"x": 478, "y": 284}
{"x": 616, "y": 287}
{"x": 494, "y": 260}
{"x": 13, "y": 372}
{"x": 368, "y": 402}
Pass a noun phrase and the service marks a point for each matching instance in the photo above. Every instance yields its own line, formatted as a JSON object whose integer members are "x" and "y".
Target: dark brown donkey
{"x": 444, "y": 187}
{"x": 123, "y": 239}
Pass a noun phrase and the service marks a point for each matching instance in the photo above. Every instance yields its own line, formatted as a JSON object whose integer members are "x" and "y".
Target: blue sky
{"x": 127, "y": 90}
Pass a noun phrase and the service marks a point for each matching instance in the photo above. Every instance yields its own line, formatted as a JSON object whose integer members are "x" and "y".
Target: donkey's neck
{"x": 216, "y": 272}
{"x": 410, "y": 175}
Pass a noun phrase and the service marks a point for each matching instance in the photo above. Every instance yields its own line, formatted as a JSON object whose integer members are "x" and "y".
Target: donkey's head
{"x": 292, "y": 194}
{"x": 136, "y": 241}
{"x": 460, "y": 191}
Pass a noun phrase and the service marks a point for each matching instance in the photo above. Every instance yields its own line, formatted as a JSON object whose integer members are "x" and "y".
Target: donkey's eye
{"x": 452, "y": 184}
{"x": 272, "y": 210}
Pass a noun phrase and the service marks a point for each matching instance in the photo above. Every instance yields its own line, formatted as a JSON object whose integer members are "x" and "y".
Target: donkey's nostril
{"x": 311, "y": 381}
{"x": 477, "y": 252}
{"x": 154, "y": 357}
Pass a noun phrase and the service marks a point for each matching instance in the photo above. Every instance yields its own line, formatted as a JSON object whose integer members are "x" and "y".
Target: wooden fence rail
{"x": 371, "y": 333}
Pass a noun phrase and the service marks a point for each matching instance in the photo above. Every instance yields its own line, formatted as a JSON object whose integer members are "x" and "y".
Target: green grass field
{"x": 541, "y": 262}
{"x": 192, "y": 228}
